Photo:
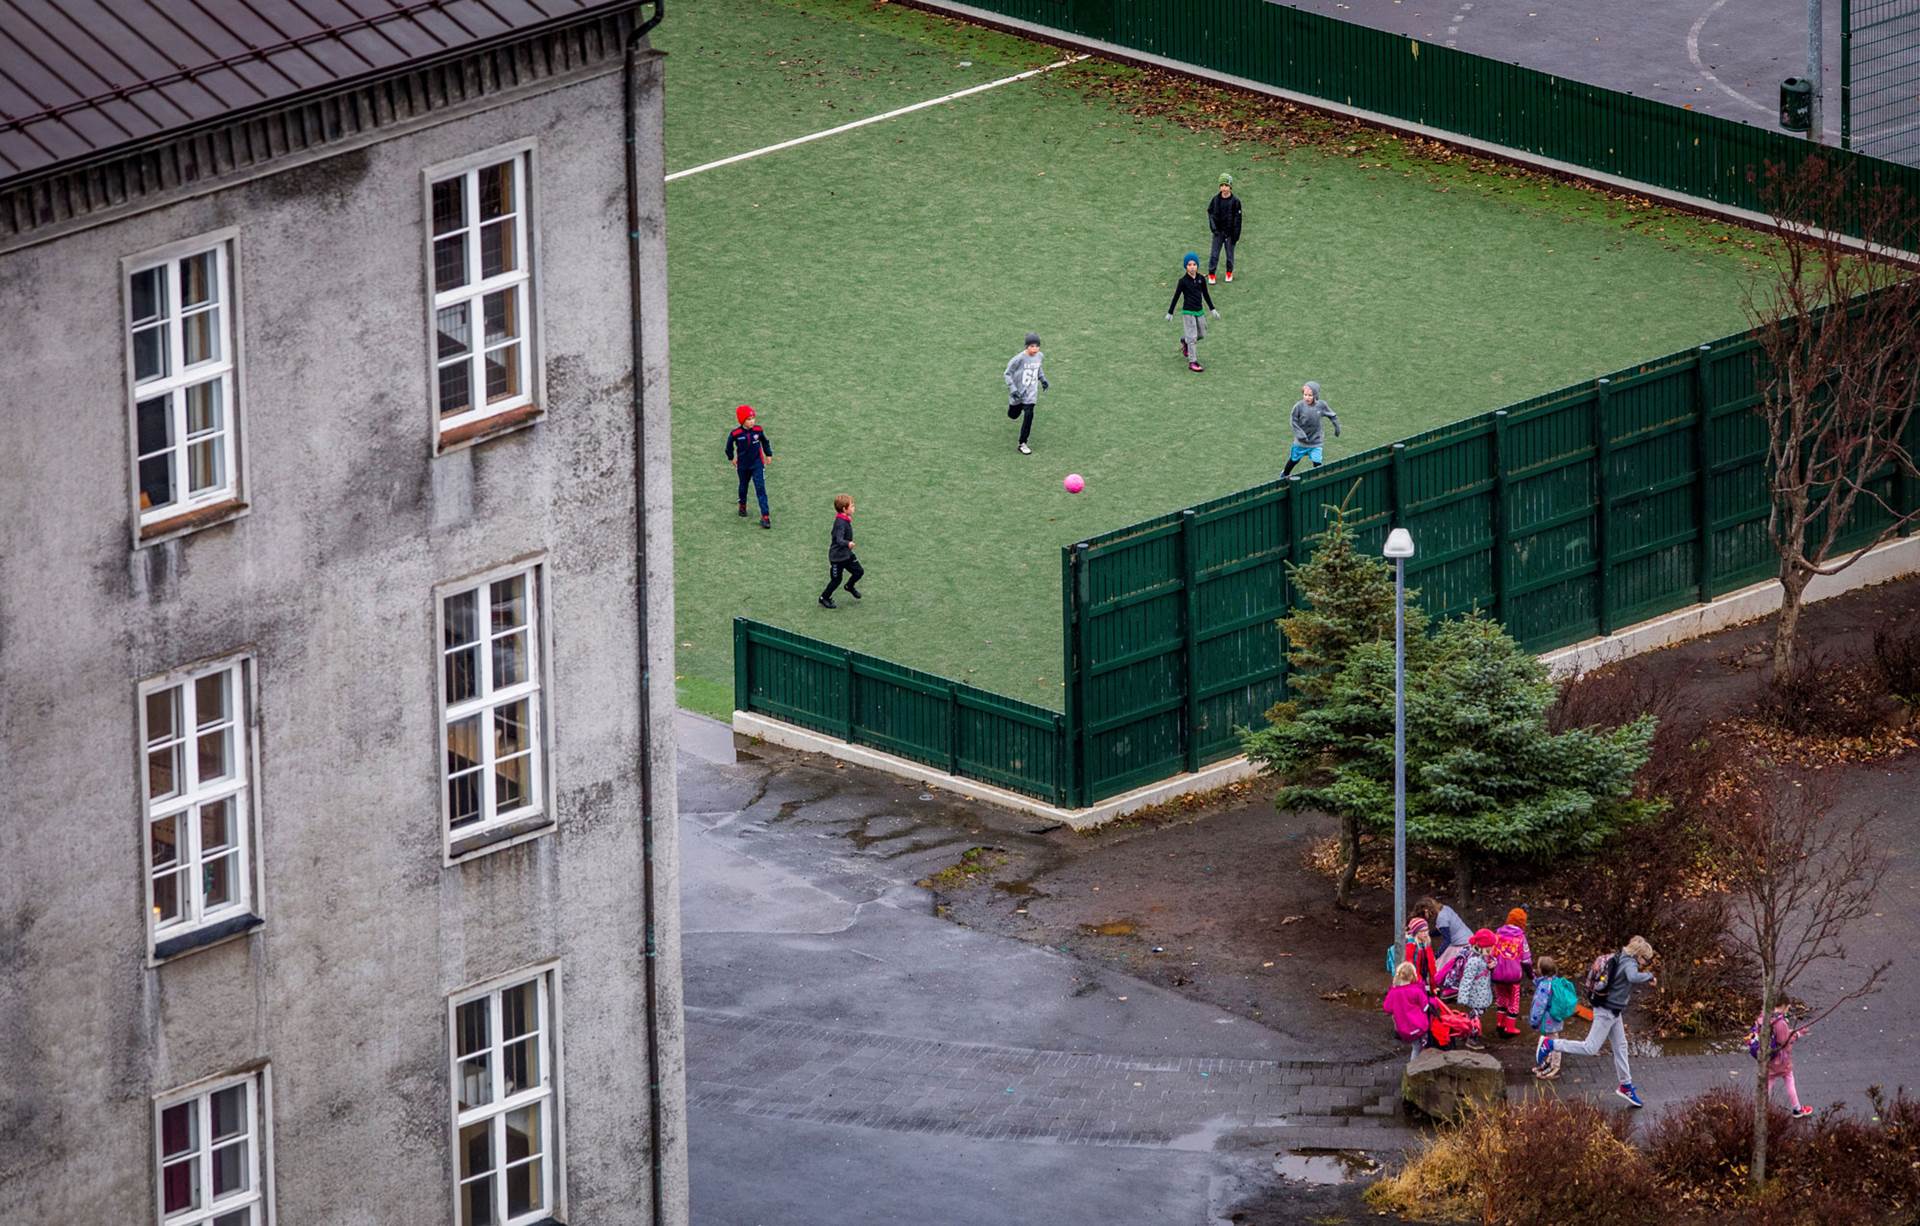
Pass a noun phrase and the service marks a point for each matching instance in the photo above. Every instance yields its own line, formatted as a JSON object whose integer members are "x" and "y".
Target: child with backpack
{"x": 1512, "y": 962}
{"x": 1418, "y": 951}
{"x": 1780, "y": 1038}
{"x": 1476, "y": 982}
{"x": 1554, "y": 1001}
{"x": 1610, "y": 983}
{"x": 1407, "y": 1003}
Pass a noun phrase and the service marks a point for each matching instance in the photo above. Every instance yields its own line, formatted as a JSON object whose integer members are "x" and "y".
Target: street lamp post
{"x": 1399, "y": 548}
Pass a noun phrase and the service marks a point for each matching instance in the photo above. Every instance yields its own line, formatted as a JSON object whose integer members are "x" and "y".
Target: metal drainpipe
{"x": 655, "y": 1109}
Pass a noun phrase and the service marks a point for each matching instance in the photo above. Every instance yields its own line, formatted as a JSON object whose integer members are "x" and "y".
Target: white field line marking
{"x": 861, "y": 123}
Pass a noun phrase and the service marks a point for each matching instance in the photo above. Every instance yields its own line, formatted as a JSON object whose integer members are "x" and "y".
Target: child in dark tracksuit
{"x": 1188, "y": 293}
{"x": 748, "y": 448}
{"x": 1223, "y": 220}
{"x": 840, "y": 558}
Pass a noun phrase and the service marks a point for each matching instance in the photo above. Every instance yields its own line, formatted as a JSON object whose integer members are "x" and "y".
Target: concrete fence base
{"x": 1893, "y": 560}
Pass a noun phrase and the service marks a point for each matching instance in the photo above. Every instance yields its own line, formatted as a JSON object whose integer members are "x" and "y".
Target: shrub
{"x": 1896, "y": 658}
{"x": 1821, "y": 698}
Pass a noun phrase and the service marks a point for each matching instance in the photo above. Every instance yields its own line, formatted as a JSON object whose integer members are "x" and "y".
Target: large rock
{"x": 1438, "y": 1083}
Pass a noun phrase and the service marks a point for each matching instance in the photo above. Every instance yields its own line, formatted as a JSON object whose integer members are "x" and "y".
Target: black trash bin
{"x": 1796, "y": 104}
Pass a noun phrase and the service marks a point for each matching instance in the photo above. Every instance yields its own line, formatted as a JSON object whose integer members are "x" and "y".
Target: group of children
{"x": 750, "y": 450}
{"x": 1437, "y": 999}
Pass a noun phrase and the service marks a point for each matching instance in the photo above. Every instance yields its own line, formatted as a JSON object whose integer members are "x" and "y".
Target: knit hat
{"x": 1192, "y": 257}
{"x": 1517, "y": 917}
{"x": 1416, "y": 926}
{"x": 1033, "y": 338}
{"x": 1226, "y": 180}
{"x": 742, "y": 413}
{"x": 1483, "y": 939}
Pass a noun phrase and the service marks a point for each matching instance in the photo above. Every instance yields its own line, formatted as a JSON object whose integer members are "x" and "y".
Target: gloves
{"x": 1169, "y": 316}
{"x": 1045, "y": 386}
{"x": 1216, "y": 312}
{"x": 1336, "y": 429}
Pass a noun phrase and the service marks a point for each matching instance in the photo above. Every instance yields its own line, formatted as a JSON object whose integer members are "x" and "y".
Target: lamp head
{"x": 1399, "y": 544}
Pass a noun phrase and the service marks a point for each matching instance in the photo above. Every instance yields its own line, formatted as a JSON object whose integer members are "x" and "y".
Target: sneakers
{"x": 1229, "y": 276}
{"x": 743, "y": 510}
{"x": 1183, "y": 350}
{"x": 826, "y": 602}
{"x": 1800, "y": 1113}
{"x": 1472, "y": 1043}
{"x": 1626, "y": 1091}
{"x": 1213, "y": 280}
{"x": 1540, "y": 1051}
{"x": 851, "y": 592}
{"x": 1195, "y": 367}
{"x": 1025, "y": 450}
{"x": 766, "y": 521}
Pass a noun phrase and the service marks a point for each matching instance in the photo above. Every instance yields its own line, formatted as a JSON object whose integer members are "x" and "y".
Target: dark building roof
{"x": 83, "y": 78}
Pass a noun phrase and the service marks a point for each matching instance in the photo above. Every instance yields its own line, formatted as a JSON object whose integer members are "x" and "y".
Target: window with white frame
{"x": 490, "y": 678}
{"x": 208, "y": 1152}
{"x": 194, "y": 735}
{"x": 481, "y": 275}
{"x": 180, "y": 350}
{"x": 504, "y": 1103}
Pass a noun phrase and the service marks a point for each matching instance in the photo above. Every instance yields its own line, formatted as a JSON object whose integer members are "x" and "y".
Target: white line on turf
{"x": 861, "y": 123}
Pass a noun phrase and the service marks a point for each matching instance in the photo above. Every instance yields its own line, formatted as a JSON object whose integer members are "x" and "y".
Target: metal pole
{"x": 1816, "y": 129}
{"x": 1399, "y": 749}
{"x": 1846, "y": 74}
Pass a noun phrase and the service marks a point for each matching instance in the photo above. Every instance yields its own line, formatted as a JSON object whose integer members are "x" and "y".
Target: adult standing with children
{"x": 1611, "y": 986}
{"x": 1223, "y": 220}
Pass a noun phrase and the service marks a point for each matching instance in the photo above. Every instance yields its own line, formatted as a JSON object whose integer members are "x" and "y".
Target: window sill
{"x": 201, "y": 938}
{"x": 495, "y": 837}
{"x": 191, "y": 521}
{"x": 489, "y": 427}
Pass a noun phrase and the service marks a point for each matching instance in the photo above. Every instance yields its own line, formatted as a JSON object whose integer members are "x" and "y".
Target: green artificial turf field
{"x": 865, "y": 291}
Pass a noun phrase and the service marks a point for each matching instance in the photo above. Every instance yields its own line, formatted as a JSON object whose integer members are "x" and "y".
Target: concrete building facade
{"x": 340, "y": 870}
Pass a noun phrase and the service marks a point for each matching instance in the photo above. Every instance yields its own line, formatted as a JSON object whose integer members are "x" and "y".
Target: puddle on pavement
{"x": 1639, "y": 1046}
{"x": 1112, "y": 928}
{"x": 1323, "y": 1166}
{"x": 1020, "y": 889}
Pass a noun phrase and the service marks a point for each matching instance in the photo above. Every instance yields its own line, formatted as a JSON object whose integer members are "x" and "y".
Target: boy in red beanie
{"x": 748, "y": 448}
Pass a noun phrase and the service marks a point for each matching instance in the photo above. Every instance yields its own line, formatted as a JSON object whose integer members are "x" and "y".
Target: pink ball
{"x": 1074, "y": 483}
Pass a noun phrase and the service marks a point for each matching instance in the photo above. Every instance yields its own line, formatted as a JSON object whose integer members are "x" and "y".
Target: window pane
{"x": 476, "y": 1149}
{"x": 153, "y": 425}
{"x": 456, "y": 331}
{"x": 180, "y": 1185}
{"x": 217, "y": 881}
{"x": 520, "y": 1011}
{"x": 503, "y": 373}
{"x": 510, "y": 783}
{"x": 463, "y": 744}
{"x": 476, "y": 1203}
{"x": 524, "y": 1193}
{"x": 520, "y": 1066}
{"x": 502, "y": 314}
{"x": 163, "y": 714}
{"x": 230, "y": 1169}
{"x": 179, "y": 1131}
{"x": 156, "y": 481}
{"x": 463, "y": 799}
{"x": 497, "y": 254}
{"x": 215, "y": 757}
{"x": 163, "y": 842}
{"x": 203, "y": 408}
{"x": 523, "y": 1133}
{"x": 217, "y": 827}
{"x": 449, "y": 263}
{"x": 150, "y": 357}
{"x": 496, "y": 191}
{"x": 509, "y": 660}
{"x": 476, "y": 1082}
{"x": 200, "y": 337}
{"x": 206, "y": 466}
{"x": 166, "y": 896}
{"x": 509, "y": 603}
{"x": 228, "y": 1112}
{"x": 458, "y": 611}
{"x": 449, "y": 205}
{"x": 463, "y": 674}
{"x": 471, "y": 1028}
{"x": 149, "y": 293}
{"x": 163, "y": 772}
{"x": 239, "y": 1217}
{"x": 199, "y": 280}
{"x": 456, "y": 388}
{"x": 510, "y": 728}
{"x": 210, "y": 699}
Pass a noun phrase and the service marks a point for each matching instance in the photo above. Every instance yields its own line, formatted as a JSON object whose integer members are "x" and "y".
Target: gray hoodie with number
{"x": 1306, "y": 419}
{"x": 1025, "y": 374}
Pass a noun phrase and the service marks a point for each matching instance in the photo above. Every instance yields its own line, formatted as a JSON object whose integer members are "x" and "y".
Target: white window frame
{"x": 534, "y": 688}
{"x": 183, "y": 806}
{"x": 257, "y": 1198}
{"x": 548, "y": 1093}
{"x": 523, "y": 280}
{"x": 179, "y": 377}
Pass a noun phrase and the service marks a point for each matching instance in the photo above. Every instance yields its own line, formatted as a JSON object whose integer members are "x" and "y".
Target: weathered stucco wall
{"x": 328, "y": 582}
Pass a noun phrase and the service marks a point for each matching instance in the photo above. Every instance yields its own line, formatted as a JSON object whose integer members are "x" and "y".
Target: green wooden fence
{"x": 1519, "y": 108}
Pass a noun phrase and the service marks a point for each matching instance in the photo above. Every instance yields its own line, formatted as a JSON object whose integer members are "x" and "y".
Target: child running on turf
{"x": 1549, "y": 1014}
{"x": 1223, "y": 219}
{"x": 1026, "y": 378}
{"x": 748, "y": 448}
{"x": 840, "y": 557}
{"x": 1307, "y": 433}
{"x": 1189, "y": 292}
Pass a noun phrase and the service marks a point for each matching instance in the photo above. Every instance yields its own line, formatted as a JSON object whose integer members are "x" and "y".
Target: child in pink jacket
{"x": 1774, "y": 1043}
{"x": 1512, "y": 962}
{"x": 1406, "y": 1003}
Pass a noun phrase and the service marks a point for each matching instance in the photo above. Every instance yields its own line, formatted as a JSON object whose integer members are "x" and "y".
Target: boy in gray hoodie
{"x": 1307, "y": 414}
{"x": 1026, "y": 378}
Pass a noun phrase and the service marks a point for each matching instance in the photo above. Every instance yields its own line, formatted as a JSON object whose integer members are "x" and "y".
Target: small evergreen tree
{"x": 1348, "y": 601}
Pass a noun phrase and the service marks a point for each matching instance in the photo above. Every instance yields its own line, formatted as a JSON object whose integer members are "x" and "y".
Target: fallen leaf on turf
{"x": 1292, "y": 919}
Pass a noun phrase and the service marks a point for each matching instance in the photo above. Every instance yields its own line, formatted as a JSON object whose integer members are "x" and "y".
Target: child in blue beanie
{"x": 1189, "y": 292}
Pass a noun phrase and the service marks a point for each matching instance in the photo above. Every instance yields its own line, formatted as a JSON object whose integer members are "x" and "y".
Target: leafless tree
{"x": 1839, "y": 332}
{"x": 1802, "y": 876}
